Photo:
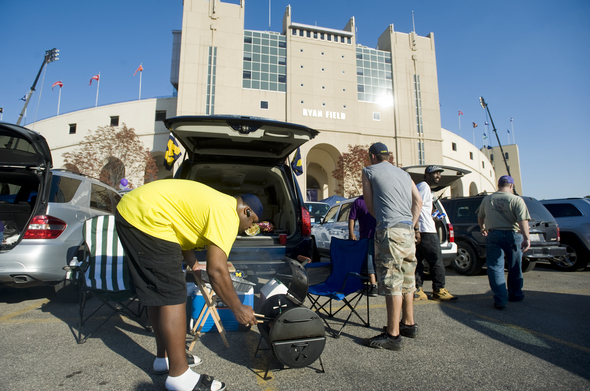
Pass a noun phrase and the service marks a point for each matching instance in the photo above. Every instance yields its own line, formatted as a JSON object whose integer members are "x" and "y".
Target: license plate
{"x": 536, "y": 237}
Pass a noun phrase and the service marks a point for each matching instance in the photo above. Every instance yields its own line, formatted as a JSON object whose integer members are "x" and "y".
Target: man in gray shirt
{"x": 392, "y": 197}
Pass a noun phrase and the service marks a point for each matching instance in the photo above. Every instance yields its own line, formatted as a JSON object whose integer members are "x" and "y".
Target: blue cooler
{"x": 227, "y": 317}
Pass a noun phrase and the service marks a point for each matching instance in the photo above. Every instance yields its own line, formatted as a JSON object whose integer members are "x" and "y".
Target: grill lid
{"x": 296, "y": 281}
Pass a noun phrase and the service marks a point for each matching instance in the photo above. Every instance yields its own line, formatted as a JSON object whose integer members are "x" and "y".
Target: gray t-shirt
{"x": 503, "y": 211}
{"x": 392, "y": 194}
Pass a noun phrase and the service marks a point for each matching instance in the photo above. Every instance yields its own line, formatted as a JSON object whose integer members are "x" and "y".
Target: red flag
{"x": 57, "y": 83}
{"x": 140, "y": 69}
{"x": 95, "y": 77}
{"x": 460, "y": 112}
{"x": 474, "y": 124}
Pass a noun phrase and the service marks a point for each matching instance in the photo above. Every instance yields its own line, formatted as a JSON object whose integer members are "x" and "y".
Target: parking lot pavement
{"x": 541, "y": 343}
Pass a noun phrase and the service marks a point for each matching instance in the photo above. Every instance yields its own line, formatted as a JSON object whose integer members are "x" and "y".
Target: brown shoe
{"x": 420, "y": 295}
{"x": 443, "y": 294}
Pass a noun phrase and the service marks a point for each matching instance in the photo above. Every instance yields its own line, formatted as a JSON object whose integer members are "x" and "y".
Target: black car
{"x": 471, "y": 252}
{"x": 237, "y": 155}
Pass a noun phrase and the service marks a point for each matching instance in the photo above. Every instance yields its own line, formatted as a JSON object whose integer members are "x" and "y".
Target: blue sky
{"x": 528, "y": 59}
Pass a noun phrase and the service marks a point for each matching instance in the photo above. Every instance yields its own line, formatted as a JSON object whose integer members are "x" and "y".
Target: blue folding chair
{"x": 104, "y": 274}
{"x": 348, "y": 258}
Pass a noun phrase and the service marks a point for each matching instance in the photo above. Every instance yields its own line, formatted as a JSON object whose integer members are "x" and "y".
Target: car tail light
{"x": 558, "y": 235}
{"x": 45, "y": 227}
{"x": 305, "y": 222}
{"x": 451, "y": 233}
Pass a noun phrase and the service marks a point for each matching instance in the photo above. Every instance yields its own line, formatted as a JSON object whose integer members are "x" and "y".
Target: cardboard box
{"x": 227, "y": 317}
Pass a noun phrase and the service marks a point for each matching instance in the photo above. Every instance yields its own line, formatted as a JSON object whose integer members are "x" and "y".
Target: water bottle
{"x": 435, "y": 214}
{"x": 441, "y": 215}
{"x": 74, "y": 261}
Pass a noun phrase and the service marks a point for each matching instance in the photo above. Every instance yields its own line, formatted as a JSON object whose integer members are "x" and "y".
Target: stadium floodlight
{"x": 50, "y": 56}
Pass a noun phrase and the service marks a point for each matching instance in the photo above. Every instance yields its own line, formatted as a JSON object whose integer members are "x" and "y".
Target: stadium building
{"x": 315, "y": 76}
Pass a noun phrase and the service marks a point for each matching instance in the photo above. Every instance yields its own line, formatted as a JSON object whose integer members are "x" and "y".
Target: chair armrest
{"x": 365, "y": 278}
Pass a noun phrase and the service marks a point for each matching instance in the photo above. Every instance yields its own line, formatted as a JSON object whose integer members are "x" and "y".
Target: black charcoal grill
{"x": 294, "y": 333}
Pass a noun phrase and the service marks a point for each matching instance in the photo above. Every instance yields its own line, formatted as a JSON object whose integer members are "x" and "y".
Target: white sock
{"x": 161, "y": 364}
{"x": 187, "y": 381}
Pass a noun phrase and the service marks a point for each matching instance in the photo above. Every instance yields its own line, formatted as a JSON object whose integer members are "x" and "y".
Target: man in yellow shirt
{"x": 160, "y": 224}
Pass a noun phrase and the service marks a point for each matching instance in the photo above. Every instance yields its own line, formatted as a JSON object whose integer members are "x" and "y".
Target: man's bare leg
{"x": 169, "y": 323}
{"x": 394, "y": 309}
{"x": 408, "y": 309}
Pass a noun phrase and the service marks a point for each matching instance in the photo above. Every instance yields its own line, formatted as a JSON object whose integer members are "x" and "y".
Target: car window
{"x": 63, "y": 188}
{"x": 116, "y": 197}
{"x": 317, "y": 210}
{"x": 466, "y": 212}
{"x": 537, "y": 211}
{"x": 331, "y": 215}
{"x": 99, "y": 199}
{"x": 344, "y": 212}
{"x": 563, "y": 210}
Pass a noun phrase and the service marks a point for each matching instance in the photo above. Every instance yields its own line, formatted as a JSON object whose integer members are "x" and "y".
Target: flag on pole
{"x": 140, "y": 69}
{"x": 510, "y": 119}
{"x": 57, "y": 83}
{"x": 486, "y": 123}
{"x": 474, "y": 124}
{"x": 95, "y": 77}
{"x": 460, "y": 112}
{"x": 172, "y": 152}
{"x": 484, "y": 136}
{"x": 296, "y": 164}
{"x": 24, "y": 98}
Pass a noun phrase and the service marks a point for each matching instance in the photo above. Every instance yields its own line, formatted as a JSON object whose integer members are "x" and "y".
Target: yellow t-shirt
{"x": 185, "y": 212}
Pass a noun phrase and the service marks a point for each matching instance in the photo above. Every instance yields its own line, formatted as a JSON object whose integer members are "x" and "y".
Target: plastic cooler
{"x": 227, "y": 317}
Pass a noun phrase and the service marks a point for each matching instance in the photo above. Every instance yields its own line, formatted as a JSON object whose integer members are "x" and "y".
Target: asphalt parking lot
{"x": 541, "y": 343}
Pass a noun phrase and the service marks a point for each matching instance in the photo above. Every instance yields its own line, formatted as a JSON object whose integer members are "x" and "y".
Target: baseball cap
{"x": 254, "y": 203}
{"x": 431, "y": 169}
{"x": 378, "y": 149}
{"x": 505, "y": 180}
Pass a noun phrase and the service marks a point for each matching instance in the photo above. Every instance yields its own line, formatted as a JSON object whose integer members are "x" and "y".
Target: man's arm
{"x": 526, "y": 239}
{"x": 222, "y": 285}
{"x": 351, "y": 234}
{"x": 368, "y": 194}
{"x": 416, "y": 204}
{"x": 482, "y": 226}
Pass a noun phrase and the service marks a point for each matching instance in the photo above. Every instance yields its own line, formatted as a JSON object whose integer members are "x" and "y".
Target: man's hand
{"x": 525, "y": 245}
{"x": 417, "y": 237}
{"x": 245, "y": 315}
{"x": 484, "y": 232}
{"x": 352, "y": 236}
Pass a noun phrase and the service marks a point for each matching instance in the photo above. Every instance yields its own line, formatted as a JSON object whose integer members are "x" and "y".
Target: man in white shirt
{"x": 428, "y": 242}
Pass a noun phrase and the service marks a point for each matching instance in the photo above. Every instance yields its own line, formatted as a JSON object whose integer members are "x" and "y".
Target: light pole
{"x": 484, "y": 106}
{"x": 50, "y": 56}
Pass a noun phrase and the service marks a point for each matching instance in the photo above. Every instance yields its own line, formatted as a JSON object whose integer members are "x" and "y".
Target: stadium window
{"x": 454, "y": 146}
{"x": 264, "y": 104}
{"x": 483, "y": 164}
{"x": 471, "y": 155}
{"x": 376, "y": 116}
{"x": 115, "y": 120}
{"x": 160, "y": 115}
{"x": 72, "y": 128}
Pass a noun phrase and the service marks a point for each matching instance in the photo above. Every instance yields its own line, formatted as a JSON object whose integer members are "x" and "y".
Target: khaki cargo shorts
{"x": 395, "y": 260}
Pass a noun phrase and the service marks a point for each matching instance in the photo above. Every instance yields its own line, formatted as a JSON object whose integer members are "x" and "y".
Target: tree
{"x": 348, "y": 172}
{"x": 112, "y": 153}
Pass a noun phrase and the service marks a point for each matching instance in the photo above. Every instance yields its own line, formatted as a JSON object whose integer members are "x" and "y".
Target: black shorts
{"x": 155, "y": 266}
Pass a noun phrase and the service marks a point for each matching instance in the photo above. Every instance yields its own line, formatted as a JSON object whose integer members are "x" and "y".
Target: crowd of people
{"x": 161, "y": 223}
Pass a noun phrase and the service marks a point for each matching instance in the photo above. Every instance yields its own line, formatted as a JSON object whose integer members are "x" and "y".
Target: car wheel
{"x": 528, "y": 265}
{"x": 67, "y": 291}
{"x": 575, "y": 258}
{"x": 466, "y": 262}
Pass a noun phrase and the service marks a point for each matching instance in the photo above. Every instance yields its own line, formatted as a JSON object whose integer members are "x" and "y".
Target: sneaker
{"x": 385, "y": 341}
{"x": 499, "y": 306}
{"x": 516, "y": 298}
{"x": 408, "y": 331}
{"x": 405, "y": 330}
{"x": 420, "y": 295}
{"x": 373, "y": 291}
{"x": 443, "y": 294}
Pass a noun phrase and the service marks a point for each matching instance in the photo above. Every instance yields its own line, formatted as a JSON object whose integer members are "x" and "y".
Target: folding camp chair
{"x": 104, "y": 274}
{"x": 348, "y": 257}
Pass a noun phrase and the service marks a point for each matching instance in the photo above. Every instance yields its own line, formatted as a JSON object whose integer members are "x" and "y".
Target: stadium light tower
{"x": 50, "y": 56}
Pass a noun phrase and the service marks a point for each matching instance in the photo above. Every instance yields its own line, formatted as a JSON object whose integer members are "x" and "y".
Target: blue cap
{"x": 378, "y": 149}
{"x": 254, "y": 203}
{"x": 505, "y": 180}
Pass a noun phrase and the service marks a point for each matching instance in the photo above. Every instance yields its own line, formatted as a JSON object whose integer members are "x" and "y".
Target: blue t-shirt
{"x": 359, "y": 211}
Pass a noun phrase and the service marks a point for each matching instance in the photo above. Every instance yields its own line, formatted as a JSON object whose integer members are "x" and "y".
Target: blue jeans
{"x": 504, "y": 246}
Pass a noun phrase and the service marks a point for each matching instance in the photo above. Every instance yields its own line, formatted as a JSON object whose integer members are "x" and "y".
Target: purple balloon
{"x": 124, "y": 182}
